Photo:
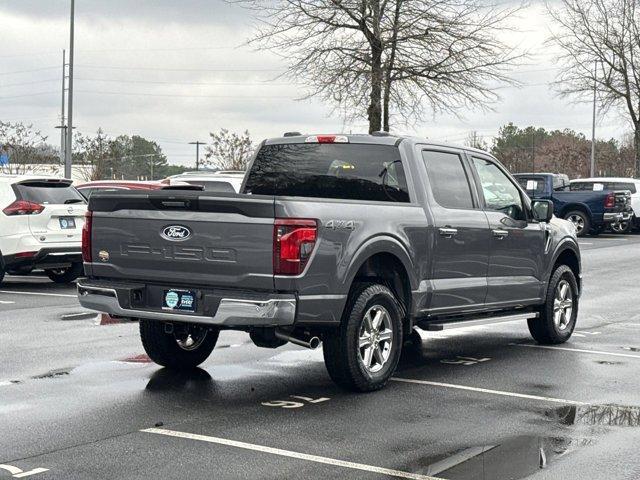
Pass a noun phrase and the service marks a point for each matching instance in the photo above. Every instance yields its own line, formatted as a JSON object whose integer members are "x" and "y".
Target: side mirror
{"x": 542, "y": 210}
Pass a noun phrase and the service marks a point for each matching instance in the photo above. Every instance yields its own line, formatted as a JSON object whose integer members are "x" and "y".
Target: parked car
{"x": 346, "y": 239}
{"x": 40, "y": 227}
{"x": 86, "y": 189}
{"x": 590, "y": 211}
{"x": 614, "y": 183}
{"x": 223, "y": 181}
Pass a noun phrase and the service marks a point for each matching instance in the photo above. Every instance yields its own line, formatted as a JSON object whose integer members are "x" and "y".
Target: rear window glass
{"x": 534, "y": 185}
{"x": 598, "y": 186}
{"x": 345, "y": 171}
{"x": 46, "y": 193}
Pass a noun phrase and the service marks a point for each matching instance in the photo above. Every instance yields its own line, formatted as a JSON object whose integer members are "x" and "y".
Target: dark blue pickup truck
{"x": 590, "y": 211}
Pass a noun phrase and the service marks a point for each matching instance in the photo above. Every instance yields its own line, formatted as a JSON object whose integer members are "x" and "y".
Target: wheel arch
{"x": 386, "y": 261}
{"x": 566, "y": 254}
{"x": 576, "y": 206}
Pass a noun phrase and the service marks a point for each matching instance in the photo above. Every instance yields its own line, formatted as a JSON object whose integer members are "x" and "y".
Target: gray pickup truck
{"x": 348, "y": 240}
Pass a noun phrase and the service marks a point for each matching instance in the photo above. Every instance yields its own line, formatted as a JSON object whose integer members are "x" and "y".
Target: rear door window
{"x": 448, "y": 179}
{"x": 344, "y": 171}
{"x": 49, "y": 193}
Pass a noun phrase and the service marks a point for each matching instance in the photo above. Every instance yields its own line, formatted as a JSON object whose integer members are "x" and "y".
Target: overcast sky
{"x": 173, "y": 71}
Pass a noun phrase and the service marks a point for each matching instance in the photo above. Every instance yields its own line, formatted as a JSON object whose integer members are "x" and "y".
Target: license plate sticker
{"x": 183, "y": 300}
{"x": 67, "y": 223}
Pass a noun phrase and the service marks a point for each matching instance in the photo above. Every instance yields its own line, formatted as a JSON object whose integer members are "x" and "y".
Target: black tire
{"x": 545, "y": 329}
{"x": 580, "y": 220}
{"x": 342, "y": 353}
{"x": 65, "y": 275}
{"x": 163, "y": 348}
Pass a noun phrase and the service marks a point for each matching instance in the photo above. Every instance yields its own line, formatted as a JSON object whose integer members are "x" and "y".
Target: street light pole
{"x": 69, "y": 144}
{"x": 592, "y": 170}
{"x": 63, "y": 154}
{"x": 197, "y": 144}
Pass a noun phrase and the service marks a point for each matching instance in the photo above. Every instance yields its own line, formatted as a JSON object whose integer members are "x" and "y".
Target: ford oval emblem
{"x": 176, "y": 233}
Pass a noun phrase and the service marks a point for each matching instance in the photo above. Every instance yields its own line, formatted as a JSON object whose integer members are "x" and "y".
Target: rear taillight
{"x": 293, "y": 243}
{"x": 22, "y": 207}
{"x": 86, "y": 237}
{"x": 610, "y": 201}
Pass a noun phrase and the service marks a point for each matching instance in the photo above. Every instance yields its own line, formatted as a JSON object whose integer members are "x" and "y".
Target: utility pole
{"x": 533, "y": 151}
{"x": 62, "y": 131}
{"x": 197, "y": 144}
{"x": 592, "y": 170}
{"x": 69, "y": 144}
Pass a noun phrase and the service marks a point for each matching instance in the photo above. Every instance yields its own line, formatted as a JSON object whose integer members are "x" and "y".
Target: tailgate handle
{"x": 175, "y": 204}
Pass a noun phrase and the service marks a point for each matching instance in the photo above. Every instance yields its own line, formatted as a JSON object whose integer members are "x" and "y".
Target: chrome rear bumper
{"x": 276, "y": 310}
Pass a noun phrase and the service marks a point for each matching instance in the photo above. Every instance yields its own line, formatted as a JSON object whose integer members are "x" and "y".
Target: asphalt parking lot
{"x": 78, "y": 400}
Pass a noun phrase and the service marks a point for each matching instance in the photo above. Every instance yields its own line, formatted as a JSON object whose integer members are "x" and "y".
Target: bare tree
{"x": 476, "y": 141}
{"x": 390, "y": 56}
{"x": 25, "y": 148}
{"x": 229, "y": 150}
{"x": 600, "y": 45}
{"x": 90, "y": 156}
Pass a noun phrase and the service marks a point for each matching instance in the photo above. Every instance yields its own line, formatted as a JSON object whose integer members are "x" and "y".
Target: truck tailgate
{"x": 184, "y": 238}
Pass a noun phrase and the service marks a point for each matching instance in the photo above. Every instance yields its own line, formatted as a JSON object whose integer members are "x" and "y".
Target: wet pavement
{"x": 79, "y": 400}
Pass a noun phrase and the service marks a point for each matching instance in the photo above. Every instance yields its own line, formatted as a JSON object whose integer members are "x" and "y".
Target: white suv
{"x": 41, "y": 221}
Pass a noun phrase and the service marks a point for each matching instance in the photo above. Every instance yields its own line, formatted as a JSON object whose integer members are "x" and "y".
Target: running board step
{"x": 472, "y": 322}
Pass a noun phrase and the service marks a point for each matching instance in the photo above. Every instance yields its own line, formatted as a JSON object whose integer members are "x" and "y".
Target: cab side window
{"x": 448, "y": 179}
{"x": 499, "y": 192}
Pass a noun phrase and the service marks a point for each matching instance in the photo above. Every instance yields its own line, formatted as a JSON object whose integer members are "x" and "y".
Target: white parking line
{"x": 578, "y": 350}
{"x": 15, "y": 292}
{"x": 290, "y": 454}
{"x": 487, "y": 390}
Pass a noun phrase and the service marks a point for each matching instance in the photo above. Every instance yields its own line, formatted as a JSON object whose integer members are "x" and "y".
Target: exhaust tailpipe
{"x": 307, "y": 342}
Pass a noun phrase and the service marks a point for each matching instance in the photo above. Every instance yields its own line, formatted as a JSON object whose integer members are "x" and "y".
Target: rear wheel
{"x": 559, "y": 313}
{"x": 622, "y": 227}
{"x": 580, "y": 220}
{"x": 181, "y": 347}
{"x": 65, "y": 275}
{"x": 364, "y": 351}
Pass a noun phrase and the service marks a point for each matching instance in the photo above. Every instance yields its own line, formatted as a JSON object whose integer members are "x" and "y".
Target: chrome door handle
{"x": 500, "y": 234}
{"x": 448, "y": 232}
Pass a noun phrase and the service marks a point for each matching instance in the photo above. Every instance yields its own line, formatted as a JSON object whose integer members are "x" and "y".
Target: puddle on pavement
{"x": 519, "y": 457}
{"x": 511, "y": 459}
{"x": 597, "y": 415}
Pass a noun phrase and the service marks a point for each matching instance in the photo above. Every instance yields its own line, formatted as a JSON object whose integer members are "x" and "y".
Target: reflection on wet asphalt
{"x": 511, "y": 459}
{"x": 604, "y": 415}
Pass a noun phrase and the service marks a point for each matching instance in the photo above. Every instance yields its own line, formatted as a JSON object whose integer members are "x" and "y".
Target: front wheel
{"x": 559, "y": 313}
{"x": 183, "y": 346}
{"x": 363, "y": 353}
{"x": 65, "y": 275}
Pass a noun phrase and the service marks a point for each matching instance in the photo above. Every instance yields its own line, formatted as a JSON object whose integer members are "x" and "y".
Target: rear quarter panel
{"x": 349, "y": 232}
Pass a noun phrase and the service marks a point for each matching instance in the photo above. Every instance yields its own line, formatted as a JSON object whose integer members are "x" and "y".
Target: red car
{"x": 86, "y": 189}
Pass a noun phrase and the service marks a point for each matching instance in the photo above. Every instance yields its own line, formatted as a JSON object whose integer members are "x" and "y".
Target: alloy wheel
{"x": 563, "y": 305}
{"x": 577, "y": 221}
{"x": 375, "y": 339}
{"x": 192, "y": 339}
